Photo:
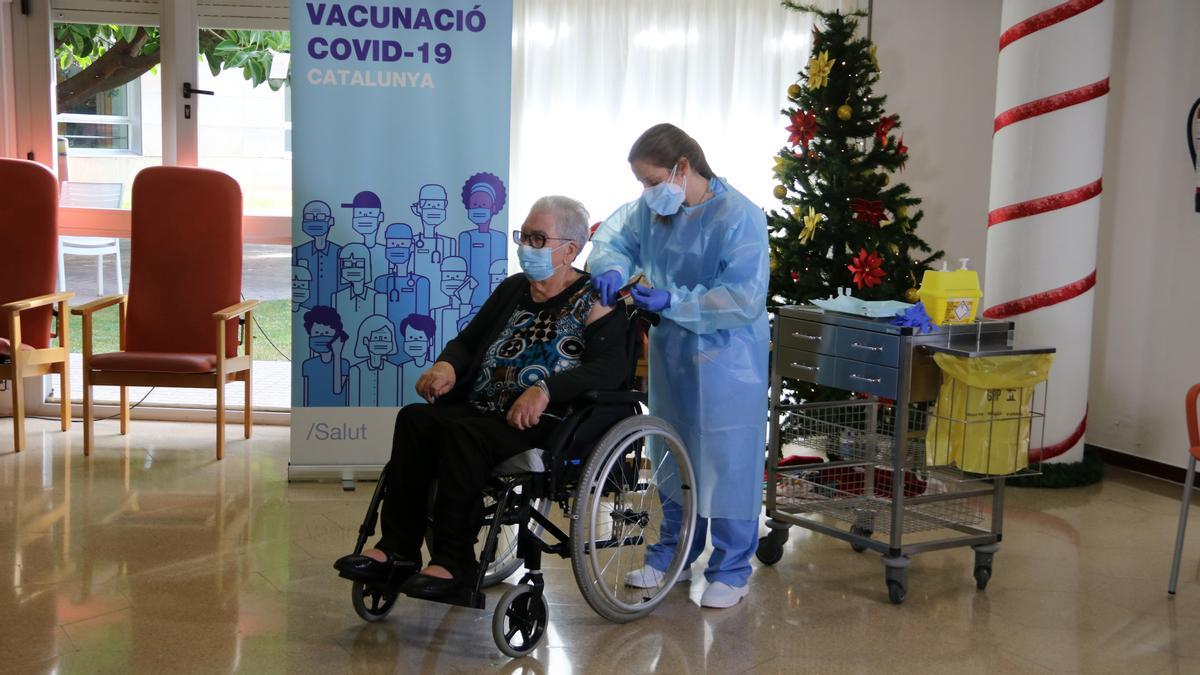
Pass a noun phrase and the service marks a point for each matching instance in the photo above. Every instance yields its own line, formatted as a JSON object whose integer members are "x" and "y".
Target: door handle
{"x": 188, "y": 90}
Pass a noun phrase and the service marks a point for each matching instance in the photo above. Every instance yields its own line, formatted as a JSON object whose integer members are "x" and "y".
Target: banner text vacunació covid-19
{"x": 400, "y": 199}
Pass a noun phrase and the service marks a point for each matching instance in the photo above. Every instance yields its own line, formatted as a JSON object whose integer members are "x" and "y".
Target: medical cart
{"x": 873, "y": 470}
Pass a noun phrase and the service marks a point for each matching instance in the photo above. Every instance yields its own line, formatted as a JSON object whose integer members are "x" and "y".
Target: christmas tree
{"x": 844, "y": 222}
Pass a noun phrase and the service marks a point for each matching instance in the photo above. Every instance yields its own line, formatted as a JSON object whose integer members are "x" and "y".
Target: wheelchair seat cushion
{"x": 529, "y": 461}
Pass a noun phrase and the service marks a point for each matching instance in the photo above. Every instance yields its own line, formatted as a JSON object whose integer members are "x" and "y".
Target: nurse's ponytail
{"x": 664, "y": 144}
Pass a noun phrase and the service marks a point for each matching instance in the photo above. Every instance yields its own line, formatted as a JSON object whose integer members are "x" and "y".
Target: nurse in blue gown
{"x": 703, "y": 248}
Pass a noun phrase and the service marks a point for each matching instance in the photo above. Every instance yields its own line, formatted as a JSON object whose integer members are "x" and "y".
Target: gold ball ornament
{"x": 780, "y": 192}
{"x": 902, "y": 212}
{"x": 845, "y": 112}
{"x": 794, "y": 91}
{"x": 886, "y": 179}
{"x": 912, "y": 296}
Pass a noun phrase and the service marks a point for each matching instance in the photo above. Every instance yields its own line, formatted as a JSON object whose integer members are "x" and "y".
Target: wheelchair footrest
{"x": 464, "y": 598}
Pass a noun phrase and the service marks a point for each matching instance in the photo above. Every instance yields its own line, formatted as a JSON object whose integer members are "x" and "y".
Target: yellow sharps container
{"x": 951, "y": 296}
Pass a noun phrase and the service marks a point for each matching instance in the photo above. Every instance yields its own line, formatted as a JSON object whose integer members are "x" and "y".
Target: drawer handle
{"x": 806, "y": 336}
{"x": 804, "y": 366}
{"x": 872, "y": 380}
{"x": 869, "y": 348}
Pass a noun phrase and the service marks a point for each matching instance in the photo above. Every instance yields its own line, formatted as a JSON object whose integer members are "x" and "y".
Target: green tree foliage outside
{"x": 841, "y": 208}
{"x": 100, "y": 57}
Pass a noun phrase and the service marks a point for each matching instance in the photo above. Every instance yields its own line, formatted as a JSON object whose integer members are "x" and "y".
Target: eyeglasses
{"x": 533, "y": 239}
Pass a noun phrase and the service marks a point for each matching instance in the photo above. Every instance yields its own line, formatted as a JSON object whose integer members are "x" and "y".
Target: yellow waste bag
{"x": 981, "y": 421}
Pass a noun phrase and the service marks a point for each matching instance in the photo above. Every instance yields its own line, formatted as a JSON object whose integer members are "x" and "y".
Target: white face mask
{"x": 666, "y": 197}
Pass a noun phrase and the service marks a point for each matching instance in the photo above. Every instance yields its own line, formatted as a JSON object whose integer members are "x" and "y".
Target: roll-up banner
{"x": 400, "y": 131}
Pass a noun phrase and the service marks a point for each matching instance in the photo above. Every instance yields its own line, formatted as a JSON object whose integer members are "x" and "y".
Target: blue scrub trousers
{"x": 734, "y": 541}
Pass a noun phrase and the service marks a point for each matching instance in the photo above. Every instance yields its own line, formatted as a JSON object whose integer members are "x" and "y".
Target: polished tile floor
{"x": 149, "y": 557}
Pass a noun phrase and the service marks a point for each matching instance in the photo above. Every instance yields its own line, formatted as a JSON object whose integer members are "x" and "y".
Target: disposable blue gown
{"x": 708, "y": 358}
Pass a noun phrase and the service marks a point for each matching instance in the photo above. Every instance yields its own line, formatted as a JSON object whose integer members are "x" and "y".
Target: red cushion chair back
{"x": 29, "y": 255}
{"x": 185, "y": 259}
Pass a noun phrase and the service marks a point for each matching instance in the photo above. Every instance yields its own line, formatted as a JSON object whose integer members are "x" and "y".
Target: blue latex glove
{"x": 650, "y": 299}
{"x": 607, "y": 285}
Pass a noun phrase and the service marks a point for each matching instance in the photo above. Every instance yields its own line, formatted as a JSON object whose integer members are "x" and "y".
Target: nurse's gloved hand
{"x": 650, "y": 299}
{"x": 607, "y": 285}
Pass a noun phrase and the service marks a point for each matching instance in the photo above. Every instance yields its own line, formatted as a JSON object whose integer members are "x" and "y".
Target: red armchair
{"x": 29, "y": 230}
{"x": 179, "y": 324}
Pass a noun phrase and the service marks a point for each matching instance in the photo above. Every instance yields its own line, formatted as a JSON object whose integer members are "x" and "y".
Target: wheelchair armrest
{"x": 614, "y": 397}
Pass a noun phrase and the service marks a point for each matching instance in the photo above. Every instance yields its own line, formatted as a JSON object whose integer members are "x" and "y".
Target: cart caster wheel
{"x": 770, "y": 547}
{"x": 369, "y": 603}
{"x": 862, "y": 532}
{"x": 896, "y": 592}
{"x": 519, "y": 623}
{"x": 982, "y": 576}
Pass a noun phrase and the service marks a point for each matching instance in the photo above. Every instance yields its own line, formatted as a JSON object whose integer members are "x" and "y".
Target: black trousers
{"x": 457, "y": 446}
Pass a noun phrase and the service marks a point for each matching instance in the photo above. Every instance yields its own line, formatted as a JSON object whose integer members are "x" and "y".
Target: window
{"x": 109, "y": 121}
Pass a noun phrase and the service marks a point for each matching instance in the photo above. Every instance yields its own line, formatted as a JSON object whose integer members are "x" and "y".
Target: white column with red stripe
{"x": 1044, "y": 208}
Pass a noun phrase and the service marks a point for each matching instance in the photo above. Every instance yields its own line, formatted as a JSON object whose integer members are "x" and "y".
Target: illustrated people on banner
{"x": 325, "y": 374}
{"x": 319, "y": 254}
{"x": 357, "y": 300}
{"x": 484, "y": 196}
{"x": 301, "y": 296}
{"x": 498, "y": 272}
{"x": 366, "y": 218}
{"x": 458, "y": 287}
{"x": 405, "y": 291}
{"x": 431, "y": 248}
{"x": 419, "y": 332}
{"x": 374, "y": 380}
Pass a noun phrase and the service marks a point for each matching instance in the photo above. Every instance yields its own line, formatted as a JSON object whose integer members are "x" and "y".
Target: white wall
{"x": 1146, "y": 349}
{"x": 938, "y": 60}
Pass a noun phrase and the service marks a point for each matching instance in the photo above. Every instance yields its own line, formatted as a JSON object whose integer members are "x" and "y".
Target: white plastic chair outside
{"x": 91, "y": 196}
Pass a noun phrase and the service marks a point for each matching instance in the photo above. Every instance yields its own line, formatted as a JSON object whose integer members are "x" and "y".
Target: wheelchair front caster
{"x": 519, "y": 623}
{"x": 896, "y": 592}
{"x": 371, "y": 604}
{"x": 770, "y": 547}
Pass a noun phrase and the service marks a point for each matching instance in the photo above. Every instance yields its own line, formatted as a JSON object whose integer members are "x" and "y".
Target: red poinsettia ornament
{"x": 867, "y": 269}
{"x": 883, "y": 127}
{"x": 902, "y": 152}
{"x": 803, "y": 128}
{"x": 867, "y": 210}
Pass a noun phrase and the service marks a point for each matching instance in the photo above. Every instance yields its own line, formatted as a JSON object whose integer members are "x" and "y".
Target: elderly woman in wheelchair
{"x": 530, "y": 405}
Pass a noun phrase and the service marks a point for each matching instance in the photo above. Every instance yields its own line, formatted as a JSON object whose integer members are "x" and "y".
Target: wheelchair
{"x": 607, "y": 467}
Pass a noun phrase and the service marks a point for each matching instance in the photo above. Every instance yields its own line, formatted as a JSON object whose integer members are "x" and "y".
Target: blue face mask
{"x": 537, "y": 263}
{"x": 666, "y": 197}
{"x": 320, "y": 343}
{"x": 479, "y": 216}
{"x": 314, "y": 228}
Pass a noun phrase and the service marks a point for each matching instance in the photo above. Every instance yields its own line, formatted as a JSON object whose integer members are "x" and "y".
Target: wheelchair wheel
{"x": 519, "y": 623}
{"x": 618, "y": 513}
{"x": 371, "y": 604}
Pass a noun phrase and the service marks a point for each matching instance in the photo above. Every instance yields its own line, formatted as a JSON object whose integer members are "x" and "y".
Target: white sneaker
{"x": 648, "y": 577}
{"x": 720, "y": 595}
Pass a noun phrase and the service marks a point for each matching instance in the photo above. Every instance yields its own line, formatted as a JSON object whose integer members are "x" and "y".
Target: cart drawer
{"x": 808, "y": 366}
{"x": 809, "y": 336}
{"x": 862, "y": 345}
{"x": 867, "y": 378}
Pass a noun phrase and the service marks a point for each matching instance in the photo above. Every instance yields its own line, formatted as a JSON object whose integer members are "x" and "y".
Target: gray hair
{"x": 570, "y": 214}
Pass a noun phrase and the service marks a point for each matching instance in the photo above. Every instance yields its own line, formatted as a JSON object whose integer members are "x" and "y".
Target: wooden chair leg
{"x": 248, "y": 416}
{"x": 87, "y": 414}
{"x": 124, "y": 410}
{"x": 64, "y": 383}
{"x": 18, "y": 410}
{"x": 220, "y": 420}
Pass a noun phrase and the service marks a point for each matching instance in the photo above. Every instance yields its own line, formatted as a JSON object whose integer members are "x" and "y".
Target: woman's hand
{"x": 436, "y": 381}
{"x": 527, "y": 410}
